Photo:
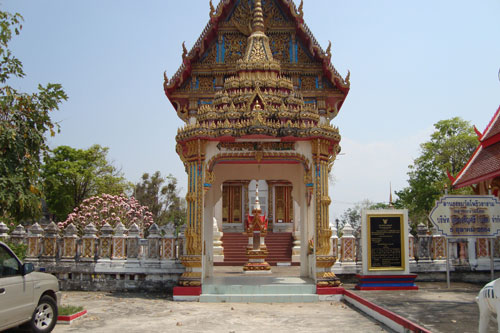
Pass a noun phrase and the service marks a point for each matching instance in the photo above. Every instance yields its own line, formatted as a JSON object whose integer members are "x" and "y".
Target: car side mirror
{"x": 28, "y": 268}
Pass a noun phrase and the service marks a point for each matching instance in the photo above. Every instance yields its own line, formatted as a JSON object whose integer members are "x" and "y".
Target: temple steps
{"x": 268, "y": 298}
{"x": 279, "y": 246}
{"x": 258, "y": 289}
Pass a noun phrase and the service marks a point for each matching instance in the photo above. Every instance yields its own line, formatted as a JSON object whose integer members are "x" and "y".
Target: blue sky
{"x": 412, "y": 64}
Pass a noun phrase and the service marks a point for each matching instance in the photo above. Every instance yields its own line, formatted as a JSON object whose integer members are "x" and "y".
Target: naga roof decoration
{"x": 215, "y": 57}
{"x": 259, "y": 100}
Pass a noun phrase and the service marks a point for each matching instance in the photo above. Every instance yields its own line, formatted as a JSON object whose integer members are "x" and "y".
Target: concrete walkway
{"x": 132, "y": 312}
{"x": 433, "y": 307}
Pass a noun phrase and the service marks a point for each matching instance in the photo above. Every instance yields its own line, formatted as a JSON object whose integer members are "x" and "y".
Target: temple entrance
{"x": 249, "y": 119}
{"x": 276, "y": 204}
{"x": 283, "y": 203}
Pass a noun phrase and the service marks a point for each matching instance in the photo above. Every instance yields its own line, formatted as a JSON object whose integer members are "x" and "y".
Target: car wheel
{"x": 45, "y": 316}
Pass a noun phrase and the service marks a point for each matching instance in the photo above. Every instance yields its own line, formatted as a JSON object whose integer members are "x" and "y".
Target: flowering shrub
{"x": 111, "y": 209}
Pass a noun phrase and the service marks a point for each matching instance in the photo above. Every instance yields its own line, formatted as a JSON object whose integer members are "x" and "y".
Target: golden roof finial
{"x": 258, "y": 17}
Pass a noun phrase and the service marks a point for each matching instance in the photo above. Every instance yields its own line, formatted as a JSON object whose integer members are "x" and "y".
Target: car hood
{"x": 42, "y": 276}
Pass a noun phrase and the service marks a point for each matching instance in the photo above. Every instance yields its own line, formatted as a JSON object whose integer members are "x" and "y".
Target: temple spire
{"x": 258, "y": 17}
{"x": 258, "y": 50}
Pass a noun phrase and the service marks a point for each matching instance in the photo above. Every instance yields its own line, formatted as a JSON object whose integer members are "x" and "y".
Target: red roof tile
{"x": 484, "y": 163}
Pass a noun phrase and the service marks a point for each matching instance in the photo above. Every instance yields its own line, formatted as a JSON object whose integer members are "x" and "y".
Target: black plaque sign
{"x": 385, "y": 242}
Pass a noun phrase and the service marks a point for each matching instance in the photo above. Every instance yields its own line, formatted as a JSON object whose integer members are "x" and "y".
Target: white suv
{"x": 26, "y": 297}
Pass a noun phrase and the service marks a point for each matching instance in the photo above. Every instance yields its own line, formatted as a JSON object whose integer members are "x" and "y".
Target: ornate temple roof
{"x": 212, "y": 58}
{"x": 259, "y": 100}
{"x": 484, "y": 163}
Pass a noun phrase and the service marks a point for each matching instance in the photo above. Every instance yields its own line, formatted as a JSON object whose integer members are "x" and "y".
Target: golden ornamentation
{"x": 325, "y": 261}
{"x": 250, "y": 156}
{"x": 210, "y": 56}
{"x": 257, "y": 54}
{"x": 235, "y": 45}
{"x": 300, "y": 10}
{"x": 212, "y": 10}
{"x": 303, "y": 55}
{"x": 209, "y": 177}
{"x": 206, "y": 83}
{"x": 191, "y": 261}
{"x": 258, "y": 156}
{"x": 192, "y": 275}
{"x": 308, "y": 83}
{"x": 329, "y": 50}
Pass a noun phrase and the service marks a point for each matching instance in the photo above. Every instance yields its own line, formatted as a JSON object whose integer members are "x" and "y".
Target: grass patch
{"x": 68, "y": 310}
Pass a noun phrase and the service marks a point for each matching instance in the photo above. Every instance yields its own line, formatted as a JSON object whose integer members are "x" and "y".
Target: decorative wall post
{"x": 335, "y": 244}
{"x": 193, "y": 155}
{"x": 18, "y": 236}
{"x": 181, "y": 242}
{"x": 119, "y": 244}
{"x": 324, "y": 153}
{"x": 70, "y": 239}
{"x": 496, "y": 247}
{"x": 133, "y": 242}
{"x": 4, "y": 232}
{"x": 411, "y": 247}
{"x": 89, "y": 241}
{"x": 105, "y": 242}
{"x": 424, "y": 243}
{"x": 34, "y": 242}
{"x": 168, "y": 243}
{"x": 438, "y": 247}
{"x": 50, "y": 242}
{"x": 347, "y": 244}
{"x": 462, "y": 251}
{"x": 482, "y": 248}
{"x": 357, "y": 243}
{"x": 154, "y": 242}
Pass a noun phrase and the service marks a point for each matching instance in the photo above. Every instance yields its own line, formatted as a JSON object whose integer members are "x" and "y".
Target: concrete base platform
{"x": 259, "y": 289}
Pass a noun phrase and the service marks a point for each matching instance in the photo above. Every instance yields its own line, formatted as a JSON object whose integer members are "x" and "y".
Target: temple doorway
{"x": 276, "y": 205}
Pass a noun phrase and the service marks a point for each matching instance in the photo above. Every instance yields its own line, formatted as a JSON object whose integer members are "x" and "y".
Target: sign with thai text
{"x": 385, "y": 242}
{"x": 467, "y": 216}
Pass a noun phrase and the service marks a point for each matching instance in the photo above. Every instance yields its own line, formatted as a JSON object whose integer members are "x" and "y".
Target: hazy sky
{"x": 412, "y": 64}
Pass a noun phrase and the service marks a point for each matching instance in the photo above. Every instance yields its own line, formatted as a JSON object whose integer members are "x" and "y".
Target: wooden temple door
{"x": 231, "y": 204}
{"x": 284, "y": 204}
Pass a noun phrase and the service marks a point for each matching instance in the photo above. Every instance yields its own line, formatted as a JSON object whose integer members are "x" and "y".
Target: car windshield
{"x": 9, "y": 265}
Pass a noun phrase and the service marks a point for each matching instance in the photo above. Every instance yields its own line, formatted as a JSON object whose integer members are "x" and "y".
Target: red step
{"x": 279, "y": 246}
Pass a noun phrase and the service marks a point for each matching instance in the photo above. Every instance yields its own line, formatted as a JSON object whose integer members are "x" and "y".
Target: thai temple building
{"x": 482, "y": 171}
{"x": 257, "y": 94}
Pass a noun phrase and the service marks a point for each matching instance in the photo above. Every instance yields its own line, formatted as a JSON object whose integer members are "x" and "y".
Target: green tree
{"x": 71, "y": 175}
{"x": 161, "y": 196}
{"x": 24, "y": 120}
{"x": 448, "y": 150}
{"x": 353, "y": 215}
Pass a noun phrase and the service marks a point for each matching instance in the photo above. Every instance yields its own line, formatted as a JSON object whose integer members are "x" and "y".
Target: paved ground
{"x": 434, "y": 307}
{"x": 153, "y": 313}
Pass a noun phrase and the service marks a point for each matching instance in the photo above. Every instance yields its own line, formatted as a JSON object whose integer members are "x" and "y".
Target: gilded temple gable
{"x": 215, "y": 56}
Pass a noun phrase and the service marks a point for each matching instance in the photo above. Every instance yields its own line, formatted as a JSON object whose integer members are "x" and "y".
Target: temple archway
{"x": 257, "y": 97}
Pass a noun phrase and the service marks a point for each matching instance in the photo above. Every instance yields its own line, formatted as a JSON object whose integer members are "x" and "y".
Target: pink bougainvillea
{"x": 110, "y": 209}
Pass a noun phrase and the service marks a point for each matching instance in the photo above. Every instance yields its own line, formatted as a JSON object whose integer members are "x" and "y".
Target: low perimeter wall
{"x": 121, "y": 259}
